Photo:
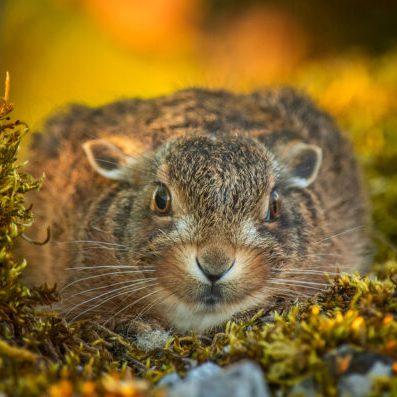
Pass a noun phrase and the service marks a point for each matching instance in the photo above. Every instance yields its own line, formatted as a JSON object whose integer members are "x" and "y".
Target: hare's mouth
{"x": 210, "y": 300}
{"x": 212, "y": 296}
{"x": 215, "y": 297}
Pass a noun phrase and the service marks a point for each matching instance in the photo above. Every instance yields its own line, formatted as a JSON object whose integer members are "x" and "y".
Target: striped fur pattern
{"x": 221, "y": 156}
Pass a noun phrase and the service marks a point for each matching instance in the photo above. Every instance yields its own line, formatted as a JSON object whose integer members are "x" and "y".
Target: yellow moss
{"x": 17, "y": 352}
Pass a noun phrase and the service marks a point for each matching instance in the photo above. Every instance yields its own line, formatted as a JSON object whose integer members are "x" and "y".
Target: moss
{"x": 37, "y": 347}
{"x": 354, "y": 310}
{"x": 41, "y": 354}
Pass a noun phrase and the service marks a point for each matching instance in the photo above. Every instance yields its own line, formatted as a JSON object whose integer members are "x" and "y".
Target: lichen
{"x": 40, "y": 354}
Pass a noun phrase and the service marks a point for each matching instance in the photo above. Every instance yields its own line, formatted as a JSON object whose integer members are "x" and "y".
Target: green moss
{"x": 40, "y": 353}
{"x": 354, "y": 310}
{"x": 37, "y": 347}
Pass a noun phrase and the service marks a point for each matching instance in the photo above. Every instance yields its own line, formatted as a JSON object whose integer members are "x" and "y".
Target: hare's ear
{"x": 107, "y": 159}
{"x": 303, "y": 163}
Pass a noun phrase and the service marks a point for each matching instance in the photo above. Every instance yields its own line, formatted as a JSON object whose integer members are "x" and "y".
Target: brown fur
{"x": 220, "y": 156}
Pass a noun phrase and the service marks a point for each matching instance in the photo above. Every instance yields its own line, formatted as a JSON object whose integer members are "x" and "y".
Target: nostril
{"x": 213, "y": 276}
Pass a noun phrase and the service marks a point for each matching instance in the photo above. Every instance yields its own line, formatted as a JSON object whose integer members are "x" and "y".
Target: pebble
{"x": 243, "y": 379}
{"x": 357, "y": 385}
{"x": 246, "y": 379}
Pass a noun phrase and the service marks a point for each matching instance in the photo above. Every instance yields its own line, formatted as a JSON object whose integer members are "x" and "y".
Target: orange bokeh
{"x": 147, "y": 26}
{"x": 262, "y": 43}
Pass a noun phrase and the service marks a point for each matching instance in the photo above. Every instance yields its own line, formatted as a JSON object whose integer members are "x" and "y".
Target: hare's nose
{"x": 214, "y": 264}
{"x": 213, "y": 277}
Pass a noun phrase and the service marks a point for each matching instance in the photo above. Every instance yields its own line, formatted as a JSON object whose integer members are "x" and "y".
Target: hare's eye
{"x": 161, "y": 200}
{"x": 273, "y": 211}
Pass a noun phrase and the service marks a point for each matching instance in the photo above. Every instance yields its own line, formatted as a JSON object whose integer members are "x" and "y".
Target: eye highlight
{"x": 273, "y": 211}
{"x": 161, "y": 200}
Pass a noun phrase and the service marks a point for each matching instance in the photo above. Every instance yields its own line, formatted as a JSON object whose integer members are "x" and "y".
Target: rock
{"x": 380, "y": 369}
{"x": 357, "y": 385}
{"x": 358, "y": 361}
{"x": 354, "y": 385}
{"x": 353, "y": 369}
{"x": 356, "y": 369}
{"x": 169, "y": 380}
{"x": 198, "y": 373}
{"x": 203, "y": 371}
{"x": 244, "y": 379}
{"x": 306, "y": 388}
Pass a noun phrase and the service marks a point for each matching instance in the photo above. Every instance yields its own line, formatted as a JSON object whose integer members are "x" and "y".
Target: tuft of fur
{"x": 220, "y": 155}
{"x": 155, "y": 339}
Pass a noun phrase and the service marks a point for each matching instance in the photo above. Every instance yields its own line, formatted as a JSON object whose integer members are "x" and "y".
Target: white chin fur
{"x": 183, "y": 318}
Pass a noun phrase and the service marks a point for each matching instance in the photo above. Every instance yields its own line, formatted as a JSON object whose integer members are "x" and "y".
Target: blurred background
{"x": 343, "y": 53}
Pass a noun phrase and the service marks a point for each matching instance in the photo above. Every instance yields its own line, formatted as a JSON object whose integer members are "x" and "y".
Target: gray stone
{"x": 380, "y": 369}
{"x": 360, "y": 362}
{"x": 357, "y": 385}
{"x": 244, "y": 379}
{"x": 354, "y": 385}
{"x": 197, "y": 373}
{"x": 203, "y": 371}
{"x": 306, "y": 388}
{"x": 169, "y": 380}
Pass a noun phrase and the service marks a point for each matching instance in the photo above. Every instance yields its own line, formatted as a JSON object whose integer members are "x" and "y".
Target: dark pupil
{"x": 161, "y": 198}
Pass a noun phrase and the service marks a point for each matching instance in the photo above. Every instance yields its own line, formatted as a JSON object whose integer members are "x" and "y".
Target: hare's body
{"x": 212, "y": 205}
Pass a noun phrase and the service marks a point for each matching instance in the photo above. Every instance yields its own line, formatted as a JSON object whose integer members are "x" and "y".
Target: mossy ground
{"x": 42, "y": 355}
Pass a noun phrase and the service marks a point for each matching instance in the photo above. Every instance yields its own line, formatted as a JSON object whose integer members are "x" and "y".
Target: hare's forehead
{"x": 224, "y": 167}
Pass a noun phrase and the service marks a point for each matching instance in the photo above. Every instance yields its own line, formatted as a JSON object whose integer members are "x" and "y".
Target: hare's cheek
{"x": 175, "y": 270}
{"x": 251, "y": 271}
